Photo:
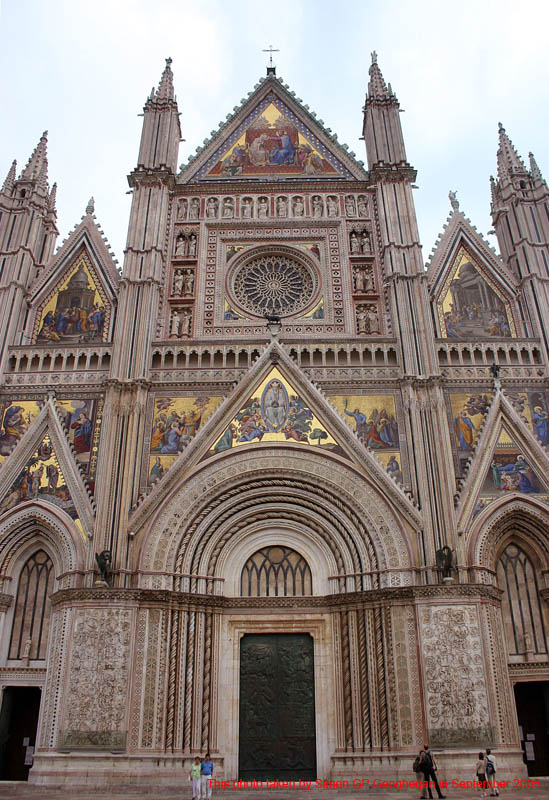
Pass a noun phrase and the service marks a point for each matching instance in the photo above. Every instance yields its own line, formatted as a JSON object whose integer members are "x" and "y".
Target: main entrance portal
{"x": 277, "y": 707}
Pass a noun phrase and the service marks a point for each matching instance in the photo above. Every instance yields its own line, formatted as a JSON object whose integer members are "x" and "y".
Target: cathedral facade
{"x": 276, "y": 490}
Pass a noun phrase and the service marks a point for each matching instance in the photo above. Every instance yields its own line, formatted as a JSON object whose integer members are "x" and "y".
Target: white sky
{"x": 83, "y": 68}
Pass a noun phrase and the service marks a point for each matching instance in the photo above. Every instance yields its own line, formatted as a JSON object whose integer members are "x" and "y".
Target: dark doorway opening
{"x": 277, "y": 707}
{"x": 532, "y": 699}
{"x": 18, "y": 724}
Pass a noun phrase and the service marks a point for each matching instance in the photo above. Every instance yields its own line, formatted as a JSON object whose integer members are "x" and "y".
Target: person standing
{"x": 480, "y": 770}
{"x": 429, "y": 768}
{"x": 206, "y": 769}
{"x": 491, "y": 772}
{"x": 418, "y": 773}
{"x": 196, "y": 774}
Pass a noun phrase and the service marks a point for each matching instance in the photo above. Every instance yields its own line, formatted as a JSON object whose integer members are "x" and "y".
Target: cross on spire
{"x": 271, "y": 69}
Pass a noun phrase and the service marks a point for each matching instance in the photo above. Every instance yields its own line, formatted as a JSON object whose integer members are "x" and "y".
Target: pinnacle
{"x": 52, "y": 197}
{"x": 10, "y": 178}
{"x": 165, "y": 87}
{"x": 535, "y": 171}
{"x": 376, "y": 85}
{"x": 38, "y": 162}
{"x": 509, "y": 161}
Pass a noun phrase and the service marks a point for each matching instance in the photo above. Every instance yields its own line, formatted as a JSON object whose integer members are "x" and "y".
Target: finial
{"x": 271, "y": 69}
{"x": 374, "y": 57}
{"x": 500, "y": 127}
{"x": 168, "y": 62}
{"x": 452, "y": 196}
{"x": 90, "y": 208}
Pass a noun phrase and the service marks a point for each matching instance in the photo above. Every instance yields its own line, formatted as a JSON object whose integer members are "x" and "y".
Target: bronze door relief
{"x": 277, "y": 707}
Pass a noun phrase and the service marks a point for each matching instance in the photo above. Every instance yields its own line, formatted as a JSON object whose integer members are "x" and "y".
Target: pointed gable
{"x": 274, "y": 136}
{"x": 508, "y": 458}
{"x": 42, "y": 468}
{"x": 74, "y": 298}
{"x": 294, "y": 413}
{"x": 471, "y": 290}
{"x": 275, "y": 412}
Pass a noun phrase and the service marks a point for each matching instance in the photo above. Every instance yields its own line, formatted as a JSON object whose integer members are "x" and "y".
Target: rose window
{"x": 274, "y": 284}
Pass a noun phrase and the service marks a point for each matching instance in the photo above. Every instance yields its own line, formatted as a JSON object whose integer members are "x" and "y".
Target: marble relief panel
{"x": 456, "y": 698}
{"x": 95, "y": 716}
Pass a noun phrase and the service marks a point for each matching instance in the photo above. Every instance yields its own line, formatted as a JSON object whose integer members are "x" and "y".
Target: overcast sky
{"x": 83, "y": 70}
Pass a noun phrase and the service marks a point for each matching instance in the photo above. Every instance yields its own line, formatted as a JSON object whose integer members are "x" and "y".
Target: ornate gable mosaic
{"x": 77, "y": 309}
{"x": 275, "y": 413}
{"x": 471, "y": 304}
{"x": 272, "y": 142}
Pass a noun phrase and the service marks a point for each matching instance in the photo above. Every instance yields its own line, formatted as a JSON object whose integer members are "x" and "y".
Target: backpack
{"x": 489, "y": 766}
{"x": 417, "y": 764}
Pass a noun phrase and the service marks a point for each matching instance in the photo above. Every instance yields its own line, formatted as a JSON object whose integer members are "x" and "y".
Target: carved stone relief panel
{"x": 455, "y": 683}
{"x": 98, "y": 681}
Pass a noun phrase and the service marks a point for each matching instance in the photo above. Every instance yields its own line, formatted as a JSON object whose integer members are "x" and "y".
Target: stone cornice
{"x": 182, "y": 600}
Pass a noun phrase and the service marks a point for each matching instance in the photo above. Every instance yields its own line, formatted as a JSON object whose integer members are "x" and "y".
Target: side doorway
{"x": 532, "y": 700}
{"x": 18, "y": 726}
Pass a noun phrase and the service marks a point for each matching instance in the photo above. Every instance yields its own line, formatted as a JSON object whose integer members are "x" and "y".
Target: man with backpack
{"x": 491, "y": 773}
{"x": 429, "y": 767}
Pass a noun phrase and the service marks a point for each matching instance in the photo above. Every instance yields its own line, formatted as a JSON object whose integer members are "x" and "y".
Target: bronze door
{"x": 277, "y": 707}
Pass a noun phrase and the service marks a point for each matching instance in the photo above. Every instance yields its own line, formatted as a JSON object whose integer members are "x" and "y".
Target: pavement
{"x": 12, "y": 790}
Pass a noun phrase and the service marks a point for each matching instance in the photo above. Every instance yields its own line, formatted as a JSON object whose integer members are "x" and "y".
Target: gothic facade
{"x": 276, "y": 489}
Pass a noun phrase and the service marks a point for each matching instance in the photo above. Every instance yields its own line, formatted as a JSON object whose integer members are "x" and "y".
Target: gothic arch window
{"x": 29, "y": 633}
{"x": 523, "y": 615}
{"x": 276, "y": 571}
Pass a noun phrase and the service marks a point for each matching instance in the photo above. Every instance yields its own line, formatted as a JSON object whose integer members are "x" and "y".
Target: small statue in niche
{"x": 445, "y": 561}
{"x": 194, "y": 212}
{"x": 361, "y": 319}
{"x": 192, "y": 245}
{"x": 331, "y": 204}
{"x": 365, "y": 244}
{"x": 180, "y": 246}
{"x": 188, "y": 282}
{"x": 228, "y": 208}
{"x": 104, "y": 565}
{"x": 247, "y": 208}
{"x": 186, "y": 321}
{"x": 363, "y": 280}
{"x": 26, "y": 650}
{"x": 355, "y": 243}
{"x": 350, "y": 206}
{"x": 281, "y": 207}
{"x": 175, "y": 322}
{"x": 317, "y": 206}
{"x": 182, "y": 209}
{"x": 299, "y": 207}
{"x": 362, "y": 206}
{"x": 211, "y": 208}
{"x": 373, "y": 318}
{"x": 178, "y": 283}
{"x": 262, "y": 208}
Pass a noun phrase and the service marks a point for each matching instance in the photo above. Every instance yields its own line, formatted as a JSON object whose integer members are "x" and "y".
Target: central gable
{"x": 273, "y": 137}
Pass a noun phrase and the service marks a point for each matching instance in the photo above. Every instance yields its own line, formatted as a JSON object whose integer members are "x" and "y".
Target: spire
{"x": 10, "y": 178}
{"x": 376, "y": 85}
{"x": 535, "y": 171}
{"x": 509, "y": 161}
{"x": 52, "y": 197}
{"x": 165, "y": 87}
{"x": 90, "y": 208}
{"x": 37, "y": 161}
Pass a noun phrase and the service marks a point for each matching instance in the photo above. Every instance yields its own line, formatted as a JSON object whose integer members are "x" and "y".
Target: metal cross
{"x": 271, "y": 50}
